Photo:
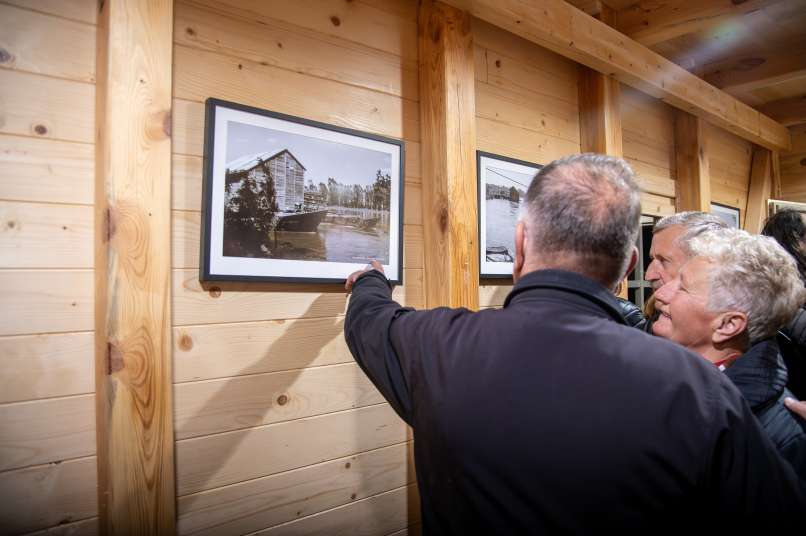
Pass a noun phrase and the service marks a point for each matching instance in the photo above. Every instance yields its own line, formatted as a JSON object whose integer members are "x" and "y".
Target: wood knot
{"x": 41, "y": 129}
{"x": 335, "y": 21}
{"x": 190, "y": 31}
{"x": 347, "y": 465}
{"x": 215, "y": 292}
{"x": 109, "y": 226}
{"x": 159, "y": 125}
{"x": 114, "y": 359}
{"x": 498, "y": 63}
{"x": 803, "y": 161}
{"x": 11, "y": 224}
{"x": 352, "y": 496}
{"x": 282, "y": 400}
{"x": 443, "y": 220}
{"x": 279, "y": 44}
{"x": 5, "y": 57}
{"x": 240, "y": 66}
{"x": 185, "y": 342}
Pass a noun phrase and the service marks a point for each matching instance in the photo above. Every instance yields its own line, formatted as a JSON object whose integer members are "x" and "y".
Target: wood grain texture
{"x": 447, "y": 112}
{"x": 201, "y": 74}
{"x": 691, "y": 159}
{"x": 38, "y": 43}
{"x": 79, "y": 10}
{"x": 218, "y": 460}
{"x": 257, "y": 347}
{"x": 214, "y": 406}
{"x": 793, "y": 167}
{"x": 136, "y": 492}
{"x": 85, "y": 527}
{"x": 565, "y": 30}
{"x": 789, "y": 111}
{"x": 44, "y": 431}
{"x": 387, "y": 25}
{"x": 380, "y": 514}
{"x": 48, "y": 301}
{"x": 48, "y": 495}
{"x": 599, "y": 113}
{"x": 45, "y": 170}
{"x": 760, "y": 190}
{"x": 35, "y": 235}
{"x": 45, "y": 107}
{"x": 508, "y": 140}
{"x": 45, "y": 366}
{"x": 243, "y": 302}
{"x": 272, "y": 500}
{"x": 281, "y": 44}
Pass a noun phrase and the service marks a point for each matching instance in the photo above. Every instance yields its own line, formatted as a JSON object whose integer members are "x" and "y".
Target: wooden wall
{"x": 793, "y": 167}
{"x": 277, "y": 428}
{"x": 47, "y": 408}
{"x": 729, "y": 161}
{"x": 526, "y": 108}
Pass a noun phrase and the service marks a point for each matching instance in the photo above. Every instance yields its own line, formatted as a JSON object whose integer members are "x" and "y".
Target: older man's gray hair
{"x": 586, "y": 207}
{"x": 693, "y": 222}
{"x": 752, "y": 274}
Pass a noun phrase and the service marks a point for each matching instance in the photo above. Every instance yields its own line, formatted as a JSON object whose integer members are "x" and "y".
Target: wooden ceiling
{"x": 754, "y": 50}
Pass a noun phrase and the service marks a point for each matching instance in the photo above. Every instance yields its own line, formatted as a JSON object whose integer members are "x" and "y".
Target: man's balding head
{"x": 582, "y": 214}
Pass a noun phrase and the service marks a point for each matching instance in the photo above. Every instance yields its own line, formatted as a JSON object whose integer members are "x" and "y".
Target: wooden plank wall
{"x": 729, "y": 161}
{"x": 526, "y": 108}
{"x": 47, "y": 408}
{"x": 277, "y": 429}
{"x": 793, "y": 167}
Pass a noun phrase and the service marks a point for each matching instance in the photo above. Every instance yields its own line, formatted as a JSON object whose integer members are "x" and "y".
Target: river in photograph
{"x": 342, "y": 237}
{"x": 502, "y": 216}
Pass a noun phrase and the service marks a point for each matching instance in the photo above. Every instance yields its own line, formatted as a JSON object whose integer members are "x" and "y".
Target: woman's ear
{"x": 729, "y": 325}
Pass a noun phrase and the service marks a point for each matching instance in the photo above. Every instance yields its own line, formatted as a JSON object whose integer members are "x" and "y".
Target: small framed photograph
{"x": 287, "y": 199}
{"x": 503, "y": 183}
{"x": 729, "y": 215}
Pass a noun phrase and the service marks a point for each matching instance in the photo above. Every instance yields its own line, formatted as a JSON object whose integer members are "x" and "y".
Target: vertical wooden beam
{"x": 776, "y": 175}
{"x": 448, "y": 119}
{"x": 760, "y": 190}
{"x": 600, "y": 109}
{"x": 599, "y": 104}
{"x": 132, "y": 266}
{"x": 691, "y": 157}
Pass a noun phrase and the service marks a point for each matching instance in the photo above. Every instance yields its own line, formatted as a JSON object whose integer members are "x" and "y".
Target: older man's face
{"x": 667, "y": 257}
{"x": 683, "y": 305}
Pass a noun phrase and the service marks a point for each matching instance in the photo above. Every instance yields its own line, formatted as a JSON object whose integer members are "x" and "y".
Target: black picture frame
{"x": 488, "y": 269}
{"x": 217, "y": 260}
{"x": 728, "y": 214}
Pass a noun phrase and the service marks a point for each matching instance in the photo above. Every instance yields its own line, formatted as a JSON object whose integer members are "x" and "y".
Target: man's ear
{"x": 520, "y": 244}
{"x": 729, "y": 325}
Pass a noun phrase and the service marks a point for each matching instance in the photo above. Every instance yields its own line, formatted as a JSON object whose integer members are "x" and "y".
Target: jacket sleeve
{"x": 367, "y": 327}
{"x": 748, "y": 480}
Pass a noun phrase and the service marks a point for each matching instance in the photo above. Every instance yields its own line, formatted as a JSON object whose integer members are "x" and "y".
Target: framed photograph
{"x": 502, "y": 189}
{"x": 729, "y": 215}
{"x": 292, "y": 200}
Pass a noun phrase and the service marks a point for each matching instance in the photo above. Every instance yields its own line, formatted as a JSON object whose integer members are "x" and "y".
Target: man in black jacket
{"x": 553, "y": 416}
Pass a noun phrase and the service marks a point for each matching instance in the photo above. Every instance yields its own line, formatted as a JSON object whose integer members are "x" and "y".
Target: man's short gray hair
{"x": 588, "y": 206}
{"x": 752, "y": 274}
{"x": 693, "y": 222}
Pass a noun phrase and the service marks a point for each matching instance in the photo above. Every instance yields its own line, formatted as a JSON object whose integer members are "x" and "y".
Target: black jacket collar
{"x": 759, "y": 374}
{"x": 570, "y": 282}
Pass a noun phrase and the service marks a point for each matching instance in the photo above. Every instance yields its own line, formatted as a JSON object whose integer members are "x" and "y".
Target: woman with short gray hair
{"x": 727, "y": 303}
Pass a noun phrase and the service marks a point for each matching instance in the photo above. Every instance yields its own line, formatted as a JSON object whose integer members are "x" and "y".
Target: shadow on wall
{"x": 243, "y": 453}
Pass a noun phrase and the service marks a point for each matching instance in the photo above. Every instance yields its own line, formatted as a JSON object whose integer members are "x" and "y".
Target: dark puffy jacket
{"x": 792, "y": 340}
{"x": 761, "y": 376}
{"x": 632, "y": 314}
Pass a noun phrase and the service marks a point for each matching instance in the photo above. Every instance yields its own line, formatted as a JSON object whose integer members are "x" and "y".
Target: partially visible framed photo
{"x": 292, "y": 200}
{"x": 729, "y": 215}
{"x": 503, "y": 183}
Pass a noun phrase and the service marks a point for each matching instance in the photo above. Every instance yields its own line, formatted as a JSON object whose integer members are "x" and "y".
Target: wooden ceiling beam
{"x": 789, "y": 112}
{"x": 656, "y": 21}
{"x": 560, "y": 27}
